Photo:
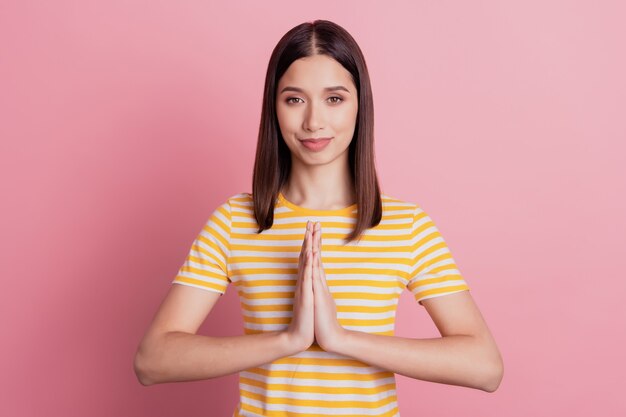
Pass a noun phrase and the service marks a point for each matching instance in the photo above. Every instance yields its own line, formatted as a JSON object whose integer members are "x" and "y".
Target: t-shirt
{"x": 365, "y": 279}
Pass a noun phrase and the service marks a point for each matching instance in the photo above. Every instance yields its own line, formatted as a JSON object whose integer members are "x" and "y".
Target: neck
{"x": 320, "y": 187}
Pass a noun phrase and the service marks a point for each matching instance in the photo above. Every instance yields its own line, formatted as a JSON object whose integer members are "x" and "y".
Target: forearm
{"x": 179, "y": 356}
{"x": 455, "y": 360}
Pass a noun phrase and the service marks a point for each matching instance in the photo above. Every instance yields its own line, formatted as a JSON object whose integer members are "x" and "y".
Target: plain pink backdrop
{"x": 125, "y": 123}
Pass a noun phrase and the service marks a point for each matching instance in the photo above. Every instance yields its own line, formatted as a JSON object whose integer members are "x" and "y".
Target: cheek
{"x": 286, "y": 119}
{"x": 287, "y": 128}
{"x": 280, "y": 115}
{"x": 345, "y": 120}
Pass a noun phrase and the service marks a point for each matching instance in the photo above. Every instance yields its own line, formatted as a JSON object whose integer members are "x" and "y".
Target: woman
{"x": 318, "y": 312}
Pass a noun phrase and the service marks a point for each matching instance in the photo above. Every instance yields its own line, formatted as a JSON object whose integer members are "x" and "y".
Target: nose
{"x": 313, "y": 119}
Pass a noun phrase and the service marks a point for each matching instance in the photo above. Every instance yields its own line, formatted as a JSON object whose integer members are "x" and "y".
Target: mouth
{"x": 314, "y": 140}
{"x": 315, "y": 144}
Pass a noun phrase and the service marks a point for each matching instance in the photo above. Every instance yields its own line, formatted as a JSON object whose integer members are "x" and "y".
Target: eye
{"x": 288, "y": 101}
{"x": 339, "y": 99}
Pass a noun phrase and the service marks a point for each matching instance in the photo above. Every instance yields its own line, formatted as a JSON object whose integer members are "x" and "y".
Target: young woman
{"x": 319, "y": 257}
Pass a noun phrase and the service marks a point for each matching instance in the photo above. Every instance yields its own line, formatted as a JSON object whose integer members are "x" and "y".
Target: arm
{"x": 465, "y": 355}
{"x": 171, "y": 351}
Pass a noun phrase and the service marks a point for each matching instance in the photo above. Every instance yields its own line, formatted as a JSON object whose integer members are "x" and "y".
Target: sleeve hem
{"x": 198, "y": 286}
{"x": 420, "y": 299}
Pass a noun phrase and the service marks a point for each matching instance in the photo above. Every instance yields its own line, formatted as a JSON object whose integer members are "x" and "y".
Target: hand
{"x": 328, "y": 331}
{"x": 301, "y": 328}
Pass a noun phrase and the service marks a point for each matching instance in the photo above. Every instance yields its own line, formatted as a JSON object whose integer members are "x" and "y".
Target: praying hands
{"x": 314, "y": 310}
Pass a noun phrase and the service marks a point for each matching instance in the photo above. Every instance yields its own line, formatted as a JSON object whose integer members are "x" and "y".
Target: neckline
{"x": 295, "y": 207}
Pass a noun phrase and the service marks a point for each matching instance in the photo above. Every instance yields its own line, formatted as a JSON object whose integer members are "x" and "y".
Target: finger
{"x": 300, "y": 276}
{"x": 315, "y": 276}
{"x": 307, "y": 252}
{"x": 316, "y": 255}
{"x": 320, "y": 242}
{"x": 307, "y": 285}
{"x": 318, "y": 229}
{"x": 319, "y": 288}
{"x": 320, "y": 245}
{"x": 311, "y": 272}
{"x": 317, "y": 243}
{"x": 303, "y": 265}
{"x": 323, "y": 279}
{"x": 302, "y": 257}
{"x": 320, "y": 278}
{"x": 320, "y": 265}
{"x": 309, "y": 237}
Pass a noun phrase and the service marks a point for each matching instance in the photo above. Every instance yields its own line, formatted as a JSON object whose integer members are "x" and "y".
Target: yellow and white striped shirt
{"x": 365, "y": 279}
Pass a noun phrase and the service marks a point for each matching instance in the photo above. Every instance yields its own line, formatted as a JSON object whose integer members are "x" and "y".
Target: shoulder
{"x": 240, "y": 204}
{"x": 404, "y": 211}
{"x": 225, "y": 208}
{"x": 239, "y": 198}
{"x": 396, "y": 204}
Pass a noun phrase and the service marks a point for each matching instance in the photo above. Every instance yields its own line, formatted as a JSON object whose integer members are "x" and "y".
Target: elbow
{"x": 141, "y": 368}
{"x": 491, "y": 366}
{"x": 493, "y": 378}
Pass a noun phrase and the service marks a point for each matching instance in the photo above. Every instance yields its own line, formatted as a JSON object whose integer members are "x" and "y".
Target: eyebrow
{"x": 299, "y": 90}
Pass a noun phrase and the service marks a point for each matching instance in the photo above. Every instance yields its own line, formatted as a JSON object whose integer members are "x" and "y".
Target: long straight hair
{"x": 272, "y": 163}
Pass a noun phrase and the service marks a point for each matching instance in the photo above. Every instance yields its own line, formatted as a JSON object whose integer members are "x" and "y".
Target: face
{"x": 316, "y": 98}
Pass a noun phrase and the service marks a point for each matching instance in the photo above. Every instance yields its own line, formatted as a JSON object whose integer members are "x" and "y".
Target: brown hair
{"x": 272, "y": 163}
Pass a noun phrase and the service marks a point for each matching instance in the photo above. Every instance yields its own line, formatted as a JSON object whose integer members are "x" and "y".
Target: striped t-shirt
{"x": 365, "y": 279}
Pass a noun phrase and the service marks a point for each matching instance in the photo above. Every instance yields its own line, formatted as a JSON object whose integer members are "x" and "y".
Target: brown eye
{"x": 291, "y": 98}
{"x": 339, "y": 99}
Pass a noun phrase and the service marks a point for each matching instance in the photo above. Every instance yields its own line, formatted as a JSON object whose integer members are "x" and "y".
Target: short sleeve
{"x": 432, "y": 269}
{"x": 206, "y": 265}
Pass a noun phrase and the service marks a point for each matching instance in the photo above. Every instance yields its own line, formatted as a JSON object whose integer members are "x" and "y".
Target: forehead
{"x": 315, "y": 73}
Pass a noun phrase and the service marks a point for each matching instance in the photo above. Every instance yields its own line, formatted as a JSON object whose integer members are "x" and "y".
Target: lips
{"x": 314, "y": 140}
{"x": 316, "y": 144}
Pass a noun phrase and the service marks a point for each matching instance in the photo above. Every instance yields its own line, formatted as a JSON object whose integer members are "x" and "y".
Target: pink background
{"x": 124, "y": 124}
